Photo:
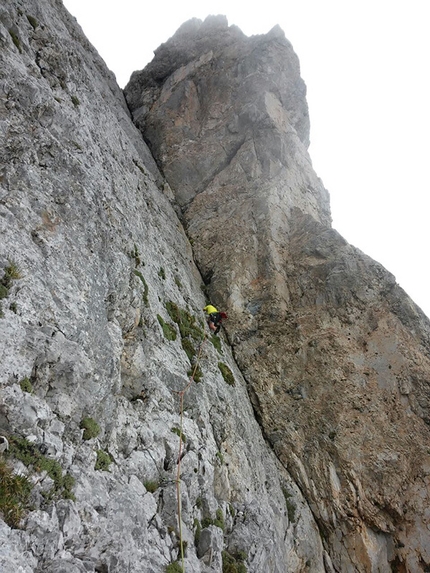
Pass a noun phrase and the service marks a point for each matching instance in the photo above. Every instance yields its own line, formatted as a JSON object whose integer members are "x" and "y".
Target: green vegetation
{"x": 32, "y": 21}
{"x": 26, "y": 385}
{"x": 30, "y": 456}
{"x": 198, "y": 531}
{"x": 191, "y": 334}
{"x": 90, "y": 427}
{"x": 196, "y": 372}
{"x": 220, "y": 457}
{"x": 75, "y": 101}
{"x": 178, "y": 432}
{"x": 218, "y": 521}
{"x": 291, "y": 506}
{"x": 178, "y": 282}
{"x": 16, "y": 40}
{"x": 175, "y": 567}
{"x": 162, "y": 274}
{"x": 227, "y": 374}
{"x": 216, "y": 342}
{"x": 4, "y": 292}
{"x": 169, "y": 330}
{"x": 14, "y": 494}
{"x": 151, "y": 485}
{"x": 188, "y": 346}
{"x": 12, "y": 272}
{"x": 103, "y": 461}
{"x": 233, "y": 563}
{"x": 145, "y": 286}
{"x": 185, "y": 321}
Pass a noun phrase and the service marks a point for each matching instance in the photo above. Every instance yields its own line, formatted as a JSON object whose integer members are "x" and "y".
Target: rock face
{"x": 296, "y": 442}
{"x": 336, "y": 356}
{"x": 100, "y": 325}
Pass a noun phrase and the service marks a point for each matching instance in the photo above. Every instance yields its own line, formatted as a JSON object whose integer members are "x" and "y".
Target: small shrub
{"x": 216, "y": 342}
{"x": 32, "y": 21}
{"x": 196, "y": 373}
{"x": 185, "y": 321}
{"x": 206, "y": 521}
{"x": 232, "y": 564}
{"x": 169, "y": 330}
{"x": 90, "y": 427}
{"x": 188, "y": 346}
{"x": 75, "y": 101}
{"x": 162, "y": 273}
{"x": 68, "y": 484}
{"x": 16, "y": 40}
{"x": 4, "y": 291}
{"x": 220, "y": 457}
{"x": 12, "y": 272}
{"x": 103, "y": 461}
{"x": 26, "y": 385}
{"x": 14, "y": 495}
{"x": 13, "y": 307}
{"x": 227, "y": 374}
{"x": 198, "y": 531}
{"x": 219, "y": 519}
{"x": 175, "y": 567}
{"x": 178, "y": 282}
{"x": 29, "y": 454}
{"x": 151, "y": 485}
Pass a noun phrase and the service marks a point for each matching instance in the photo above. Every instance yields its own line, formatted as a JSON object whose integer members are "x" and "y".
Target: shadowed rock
{"x": 336, "y": 355}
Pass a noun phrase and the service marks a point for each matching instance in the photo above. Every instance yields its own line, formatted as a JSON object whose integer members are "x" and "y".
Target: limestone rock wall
{"x": 100, "y": 317}
{"x": 336, "y": 356}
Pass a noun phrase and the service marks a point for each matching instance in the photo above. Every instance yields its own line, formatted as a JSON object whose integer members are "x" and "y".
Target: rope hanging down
{"x": 178, "y": 471}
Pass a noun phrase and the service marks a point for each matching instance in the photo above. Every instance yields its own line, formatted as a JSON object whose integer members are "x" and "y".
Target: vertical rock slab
{"x": 336, "y": 355}
{"x": 101, "y": 324}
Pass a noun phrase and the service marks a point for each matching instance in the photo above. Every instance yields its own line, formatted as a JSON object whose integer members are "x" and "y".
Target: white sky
{"x": 366, "y": 67}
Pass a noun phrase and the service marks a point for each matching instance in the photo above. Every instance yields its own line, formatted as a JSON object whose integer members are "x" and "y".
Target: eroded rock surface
{"x": 94, "y": 268}
{"x": 336, "y": 356}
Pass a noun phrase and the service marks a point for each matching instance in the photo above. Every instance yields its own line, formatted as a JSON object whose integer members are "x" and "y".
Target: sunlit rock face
{"x": 336, "y": 356}
{"x": 94, "y": 268}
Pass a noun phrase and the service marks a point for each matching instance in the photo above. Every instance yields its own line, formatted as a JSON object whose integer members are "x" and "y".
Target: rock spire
{"x": 335, "y": 354}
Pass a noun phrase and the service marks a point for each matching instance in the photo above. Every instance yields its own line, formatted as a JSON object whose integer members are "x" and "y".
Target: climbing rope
{"x": 178, "y": 471}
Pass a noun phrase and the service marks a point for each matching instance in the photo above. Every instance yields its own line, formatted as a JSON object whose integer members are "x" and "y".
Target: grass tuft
{"x": 26, "y": 385}
{"x": 227, "y": 374}
{"x": 90, "y": 427}
{"x": 103, "y": 461}
{"x": 29, "y": 454}
{"x": 14, "y": 495}
{"x": 169, "y": 330}
{"x": 32, "y": 21}
{"x": 151, "y": 485}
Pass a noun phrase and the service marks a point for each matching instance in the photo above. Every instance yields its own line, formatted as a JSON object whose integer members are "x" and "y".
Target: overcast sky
{"x": 366, "y": 67}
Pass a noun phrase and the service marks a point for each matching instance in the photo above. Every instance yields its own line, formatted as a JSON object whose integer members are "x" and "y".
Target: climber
{"x": 214, "y": 318}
